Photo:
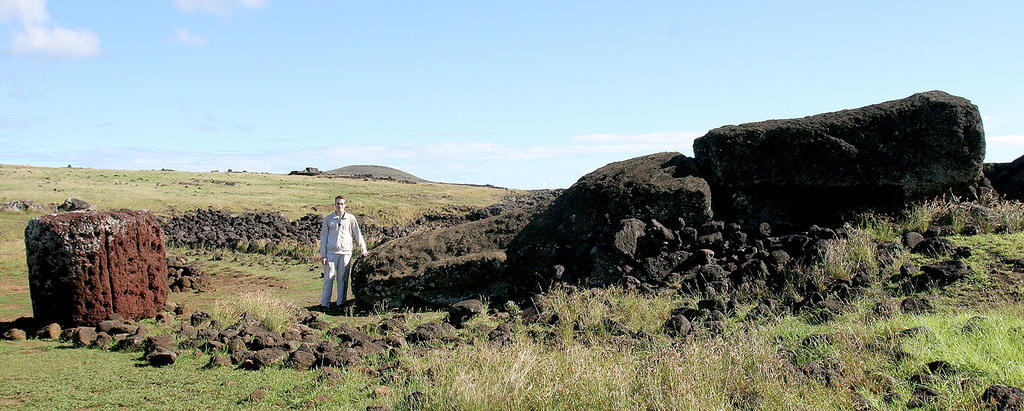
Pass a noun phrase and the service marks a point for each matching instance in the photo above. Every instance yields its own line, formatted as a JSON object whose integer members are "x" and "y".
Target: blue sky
{"x": 523, "y": 94}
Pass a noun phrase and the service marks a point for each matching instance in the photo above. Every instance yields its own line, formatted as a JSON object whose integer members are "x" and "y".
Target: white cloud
{"x": 1003, "y": 148}
{"x": 1013, "y": 139}
{"x": 218, "y": 7}
{"x": 183, "y": 36}
{"x": 664, "y": 137}
{"x": 56, "y": 41}
{"x": 39, "y": 36}
{"x": 28, "y": 11}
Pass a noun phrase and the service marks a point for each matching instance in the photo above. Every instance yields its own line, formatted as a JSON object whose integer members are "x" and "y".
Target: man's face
{"x": 339, "y": 206}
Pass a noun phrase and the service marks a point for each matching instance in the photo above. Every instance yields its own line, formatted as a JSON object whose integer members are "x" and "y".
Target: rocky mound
{"x": 590, "y": 233}
{"x": 438, "y": 267}
{"x": 822, "y": 168}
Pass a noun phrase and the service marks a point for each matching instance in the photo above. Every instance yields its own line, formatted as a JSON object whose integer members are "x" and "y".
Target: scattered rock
{"x": 331, "y": 374}
{"x": 219, "y": 361}
{"x": 462, "y": 311}
{"x": 1002, "y": 397}
{"x": 74, "y": 204}
{"x": 18, "y": 206}
{"x": 922, "y": 397}
{"x": 84, "y": 336}
{"x": 257, "y": 395}
{"x": 426, "y": 332}
{"x": 916, "y": 305}
{"x": 49, "y": 332}
{"x": 15, "y": 334}
{"x": 501, "y": 335}
{"x": 677, "y": 326}
{"x": 935, "y": 247}
{"x": 161, "y": 357}
{"x": 381, "y": 391}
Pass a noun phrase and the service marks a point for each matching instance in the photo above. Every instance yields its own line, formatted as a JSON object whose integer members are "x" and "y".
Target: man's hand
{"x": 365, "y": 253}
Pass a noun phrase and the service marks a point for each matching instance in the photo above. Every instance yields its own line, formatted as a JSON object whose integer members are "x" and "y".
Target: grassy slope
{"x": 548, "y": 367}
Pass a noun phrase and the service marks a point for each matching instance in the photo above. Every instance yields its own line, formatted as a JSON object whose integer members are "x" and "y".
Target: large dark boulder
{"x": 1007, "y": 178}
{"x": 440, "y": 267}
{"x": 84, "y": 266}
{"x": 590, "y": 234}
{"x": 825, "y": 167}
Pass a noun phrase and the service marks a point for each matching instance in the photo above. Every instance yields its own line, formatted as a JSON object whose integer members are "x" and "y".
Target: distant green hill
{"x": 376, "y": 172}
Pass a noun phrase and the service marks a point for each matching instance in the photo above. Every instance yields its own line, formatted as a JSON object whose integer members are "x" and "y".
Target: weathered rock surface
{"x": 439, "y": 267}
{"x": 590, "y": 232}
{"x": 820, "y": 168}
{"x": 463, "y": 311}
{"x": 84, "y": 266}
{"x": 74, "y": 204}
{"x": 1002, "y": 397}
{"x": 1007, "y": 178}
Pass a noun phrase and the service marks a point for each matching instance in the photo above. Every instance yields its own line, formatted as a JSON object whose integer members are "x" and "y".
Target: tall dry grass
{"x": 273, "y": 312}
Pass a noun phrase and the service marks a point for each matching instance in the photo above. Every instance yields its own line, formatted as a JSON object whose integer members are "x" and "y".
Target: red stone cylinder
{"x": 83, "y": 266}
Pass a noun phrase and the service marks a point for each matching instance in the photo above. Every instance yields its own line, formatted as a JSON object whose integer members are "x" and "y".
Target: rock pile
{"x": 592, "y": 231}
{"x": 421, "y": 270}
{"x": 184, "y": 275}
{"x": 19, "y": 206}
{"x": 220, "y": 229}
{"x": 85, "y": 266}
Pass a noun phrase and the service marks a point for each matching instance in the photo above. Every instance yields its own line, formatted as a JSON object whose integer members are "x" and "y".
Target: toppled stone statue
{"x": 84, "y": 266}
{"x": 821, "y": 168}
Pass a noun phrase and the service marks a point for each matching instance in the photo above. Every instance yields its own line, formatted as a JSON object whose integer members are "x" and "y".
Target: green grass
{"x": 50, "y": 375}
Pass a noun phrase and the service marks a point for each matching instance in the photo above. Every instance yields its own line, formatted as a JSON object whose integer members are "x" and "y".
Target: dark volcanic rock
{"x": 1002, "y": 397}
{"x": 161, "y": 357}
{"x": 84, "y": 266}
{"x": 440, "y": 267}
{"x": 462, "y": 311}
{"x": 74, "y": 204}
{"x": 915, "y": 305}
{"x": 584, "y": 236}
{"x": 940, "y": 274}
{"x": 935, "y": 247}
{"x": 824, "y": 167}
{"x": 427, "y": 332}
{"x": 1007, "y": 178}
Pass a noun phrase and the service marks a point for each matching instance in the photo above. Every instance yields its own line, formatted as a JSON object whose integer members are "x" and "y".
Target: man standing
{"x": 336, "y": 235}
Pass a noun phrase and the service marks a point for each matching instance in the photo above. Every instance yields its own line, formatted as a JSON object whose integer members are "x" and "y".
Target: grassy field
{"x": 165, "y": 192}
{"x": 977, "y": 326}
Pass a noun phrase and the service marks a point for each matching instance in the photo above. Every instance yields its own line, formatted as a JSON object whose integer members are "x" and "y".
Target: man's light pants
{"x": 336, "y": 264}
